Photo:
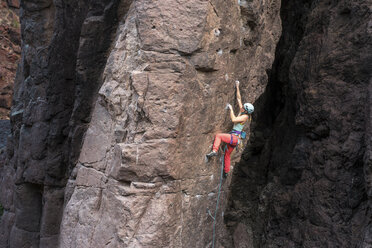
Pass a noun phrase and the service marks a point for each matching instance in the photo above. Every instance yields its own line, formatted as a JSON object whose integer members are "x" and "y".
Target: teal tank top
{"x": 238, "y": 127}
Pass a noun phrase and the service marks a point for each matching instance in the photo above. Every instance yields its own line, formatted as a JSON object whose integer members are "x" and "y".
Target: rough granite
{"x": 141, "y": 179}
{"x": 116, "y": 103}
{"x": 10, "y": 50}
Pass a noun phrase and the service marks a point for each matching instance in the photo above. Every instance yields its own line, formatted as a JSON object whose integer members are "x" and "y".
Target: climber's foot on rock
{"x": 225, "y": 175}
{"x": 211, "y": 154}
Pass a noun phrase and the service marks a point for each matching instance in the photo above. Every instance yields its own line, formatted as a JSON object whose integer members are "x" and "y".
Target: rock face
{"x": 64, "y": 48}
{"x": 116, "y": 103}
{"x": 305, "y": 178}
{"x": 137, "y": 177}
{"x": 4, "y": 132}
{"x": 9, "y": 54}
{"x": 141, "y": 179}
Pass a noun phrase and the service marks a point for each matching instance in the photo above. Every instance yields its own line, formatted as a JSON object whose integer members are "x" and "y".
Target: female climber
{"x": 233, "y": 138}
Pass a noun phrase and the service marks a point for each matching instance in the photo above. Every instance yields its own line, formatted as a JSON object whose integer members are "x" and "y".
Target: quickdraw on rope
{"x": 218, "y": 198}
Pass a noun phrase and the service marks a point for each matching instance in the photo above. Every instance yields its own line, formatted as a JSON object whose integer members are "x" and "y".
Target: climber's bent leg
{"x": 225, "y": 137}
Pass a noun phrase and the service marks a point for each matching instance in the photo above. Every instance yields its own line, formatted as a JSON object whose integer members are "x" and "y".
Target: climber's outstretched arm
{"x": 238, "y": 96}
{"x": 234, "y": 118}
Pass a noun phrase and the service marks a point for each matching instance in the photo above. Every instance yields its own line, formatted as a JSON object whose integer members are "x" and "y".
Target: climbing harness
{"x": 218, "y": 198}
{"x": 231, "y": 139}
{"x": 241, "y": 135}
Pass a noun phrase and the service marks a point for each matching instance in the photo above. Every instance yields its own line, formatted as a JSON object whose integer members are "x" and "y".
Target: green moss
{"x": 15, "y": 23}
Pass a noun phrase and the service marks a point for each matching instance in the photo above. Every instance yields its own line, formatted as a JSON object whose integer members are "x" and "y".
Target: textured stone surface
{"x": 116, "y": 103}
{"x": 64, "y": 47}
{"x": 304, "y": 180}
{"x": 13, "y": 3}
{"x": 142, "y": 180}
{"x": 9, "y": 53}
{"x": 4, "y": 132}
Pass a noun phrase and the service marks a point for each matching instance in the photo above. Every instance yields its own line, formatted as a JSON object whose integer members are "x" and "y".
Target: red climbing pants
{"x": 231, "y": 141}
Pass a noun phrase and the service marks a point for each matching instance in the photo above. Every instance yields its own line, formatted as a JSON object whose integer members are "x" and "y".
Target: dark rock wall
{"x": 4, "y": 132}
{"x": 63, "y": 54}
{"x": 305, "y": 178}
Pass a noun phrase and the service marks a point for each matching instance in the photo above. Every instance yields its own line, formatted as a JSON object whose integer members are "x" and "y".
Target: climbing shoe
{"x": 211, "y": 154}
{"x": 225, "y": 175}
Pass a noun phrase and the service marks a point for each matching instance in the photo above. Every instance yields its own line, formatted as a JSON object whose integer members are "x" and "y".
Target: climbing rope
{"x": 218, "y": 198}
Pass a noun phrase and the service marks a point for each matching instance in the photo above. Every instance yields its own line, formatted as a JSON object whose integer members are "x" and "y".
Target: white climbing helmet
{"x": 248, "y": 107}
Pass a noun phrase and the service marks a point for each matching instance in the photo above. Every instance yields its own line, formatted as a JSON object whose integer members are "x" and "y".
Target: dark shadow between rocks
{"x": 273, "y": 134}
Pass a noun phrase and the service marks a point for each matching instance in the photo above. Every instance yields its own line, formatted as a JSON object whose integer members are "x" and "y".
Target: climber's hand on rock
{"x": 237, "y": 83}
{"x": 228, "y": 106}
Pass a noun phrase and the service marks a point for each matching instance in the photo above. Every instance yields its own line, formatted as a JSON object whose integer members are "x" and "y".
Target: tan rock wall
{"x": 141, "y": 179}
{"x": 10, "y": 50}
